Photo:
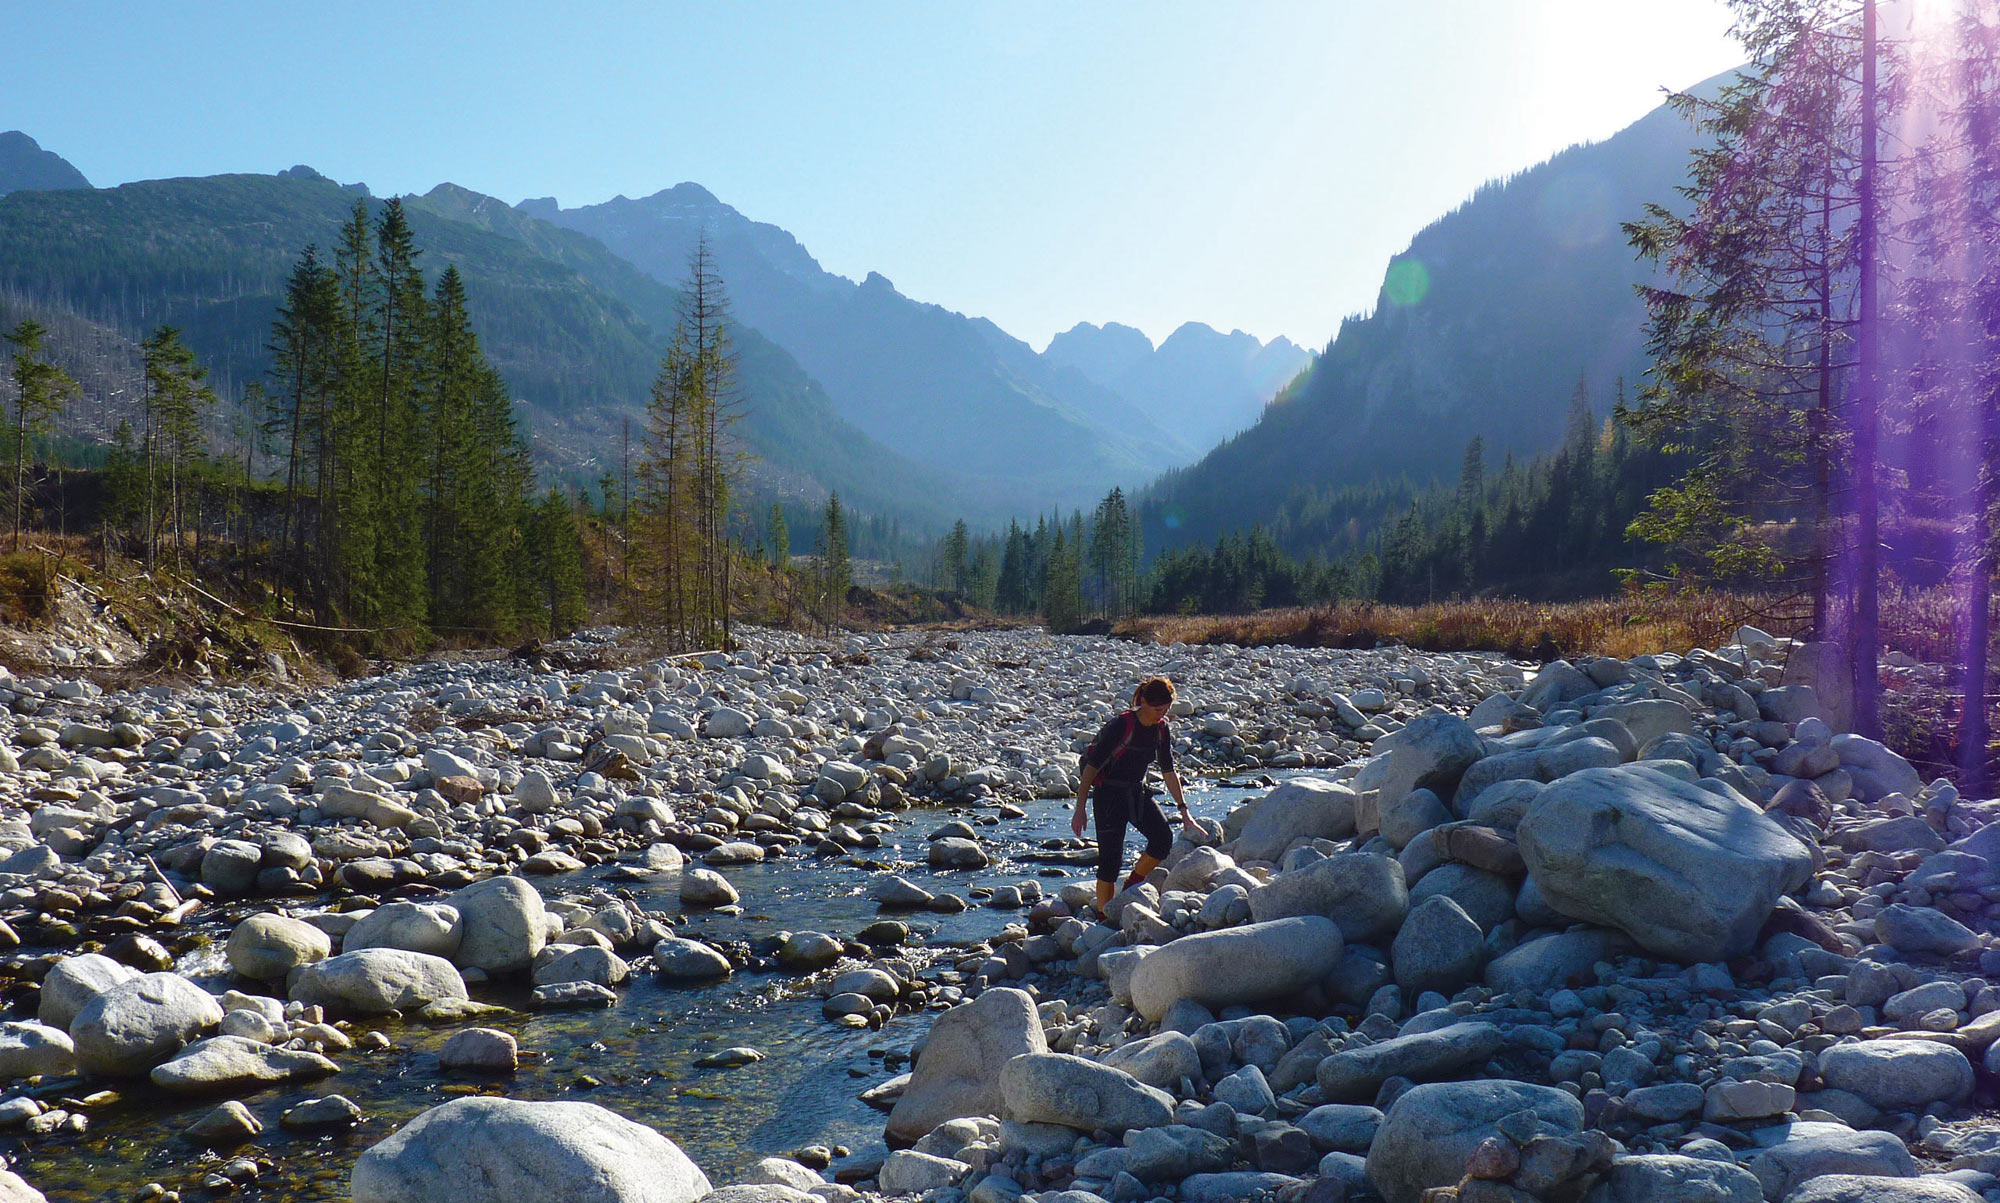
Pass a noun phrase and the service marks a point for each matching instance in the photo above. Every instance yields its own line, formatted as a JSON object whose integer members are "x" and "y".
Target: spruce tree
{"x": 176, "y": 399}
{"x": 780, "y": 537}
{"x": 40, "y": 388}
{"x": 401, "y": 329}
{"x": 557, "y": 554}
{"x": 838, "y": 572}
{"x": 1751, "y": 329}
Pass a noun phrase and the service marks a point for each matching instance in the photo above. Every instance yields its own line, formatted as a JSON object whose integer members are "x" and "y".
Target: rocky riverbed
{"x": 1613, "y": 930}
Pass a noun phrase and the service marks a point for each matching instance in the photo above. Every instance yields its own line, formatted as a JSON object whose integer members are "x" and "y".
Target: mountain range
{"x": 1009, "y": 423}
{"x": 1200, "y": 383}
{"x": 577, "y": 332}
{"x": 907, "y": 409}
{"x": 1483, "y": 328}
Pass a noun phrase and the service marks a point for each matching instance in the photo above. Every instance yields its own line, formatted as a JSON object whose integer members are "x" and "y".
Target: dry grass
{"x": 1617, "y": 626}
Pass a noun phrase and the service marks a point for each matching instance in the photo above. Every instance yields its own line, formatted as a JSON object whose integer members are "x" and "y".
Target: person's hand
{"x": 1076, "y": 821}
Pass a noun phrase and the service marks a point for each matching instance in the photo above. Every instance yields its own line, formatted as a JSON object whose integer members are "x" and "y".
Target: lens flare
{"x": 1407, "y": 282}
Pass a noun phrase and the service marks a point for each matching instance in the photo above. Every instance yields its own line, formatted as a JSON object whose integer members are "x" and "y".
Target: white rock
{"x": 494, "y": 1150}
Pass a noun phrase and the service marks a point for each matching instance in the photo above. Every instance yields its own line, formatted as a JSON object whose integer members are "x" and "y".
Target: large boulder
{"x": 412, "y": 926}
{"x": 1303, "y": 808}
{"x": 1559, "y": 681}
{"x": 1364, "y": 893}
{"x": 1552, "y": 961}
{"x": 1862, "y": 1188}
{"x": 374, "y": 980}
{"x": 235, "y": 1062}
{"x": 494, "y": 1150}
{"x": 1487, "y": 897}
{"x": 139, "y": 1023}
{"x": 501, "y": 923}
{"x": 1431, "y": 751}
{"x": 1898, "y": 1075}
{"x": 1431, "y": 1131}
{"x": 1690, "y": 873}
{"x": 74, "y": 981}
{"x": 1440, "y": 948}
{"x": 678, "y": 959}
{"x": 1252, "y": 963}
{"x": 1550, "y": 761}
{"x": 1825, "y": 667}
{"x": 955, "y": 1075}
{"x": 28, "y": 1048}
{"x": 1671, "y": 1178}
{"x": 1875, "y": 770}
{"x": 1649, "y": 718}
{"x": 1809, "y": 1150}
{"x": 268, "y": 947}
{"x": 1356, "y": 1073}
{"x": 1160, "y": 1060}
{"x": 1056, "y": 1088}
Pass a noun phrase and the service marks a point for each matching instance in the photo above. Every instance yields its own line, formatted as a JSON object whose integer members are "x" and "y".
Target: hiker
{"x": 1115, "y": 764}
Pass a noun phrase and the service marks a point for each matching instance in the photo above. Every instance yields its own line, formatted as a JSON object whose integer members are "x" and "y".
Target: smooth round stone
{"x": 678, "y": 959}
{"x": 487, "y": 1049}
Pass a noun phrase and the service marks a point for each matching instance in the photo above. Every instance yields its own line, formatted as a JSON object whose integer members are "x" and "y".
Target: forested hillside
{"x": 1481, "y": 330}
{"x": 576, "y": 332}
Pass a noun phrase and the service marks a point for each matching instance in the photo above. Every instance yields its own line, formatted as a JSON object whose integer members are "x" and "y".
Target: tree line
{"x": 377, "y": 478}
{"x": 1823, "y": 342}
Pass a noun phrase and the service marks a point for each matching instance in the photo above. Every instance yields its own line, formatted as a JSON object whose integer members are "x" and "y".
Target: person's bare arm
{"x": 1173, "y": 781}
{"x": 1083, "y": 783}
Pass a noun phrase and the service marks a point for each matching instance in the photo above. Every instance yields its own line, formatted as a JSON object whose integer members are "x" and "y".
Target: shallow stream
{"x": 635, "y": 1058}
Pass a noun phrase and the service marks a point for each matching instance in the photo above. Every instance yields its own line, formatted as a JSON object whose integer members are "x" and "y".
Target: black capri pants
{"x": 1119, "y": 803}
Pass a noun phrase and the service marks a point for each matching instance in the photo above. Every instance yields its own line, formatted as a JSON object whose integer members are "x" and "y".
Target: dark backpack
{"x": 1131, "y": 729}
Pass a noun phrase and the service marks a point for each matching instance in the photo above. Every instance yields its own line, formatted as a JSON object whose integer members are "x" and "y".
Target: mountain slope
{"x": 1200, "y": 383}
{"x": 577, "y": 333}
{"x": 25, "y": 167}
{"x": 1482, "y": 328}
{"x": 1022, "y": 430}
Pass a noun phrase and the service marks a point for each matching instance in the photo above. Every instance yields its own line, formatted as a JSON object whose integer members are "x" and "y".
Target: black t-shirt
{"x": 1147, "y": 745}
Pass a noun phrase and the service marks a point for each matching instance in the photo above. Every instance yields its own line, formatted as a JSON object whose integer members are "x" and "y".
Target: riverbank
{"x": 404, "y": 789}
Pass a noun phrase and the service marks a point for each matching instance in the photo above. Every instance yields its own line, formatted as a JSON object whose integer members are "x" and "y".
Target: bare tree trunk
{"x": 1866, "y": 634}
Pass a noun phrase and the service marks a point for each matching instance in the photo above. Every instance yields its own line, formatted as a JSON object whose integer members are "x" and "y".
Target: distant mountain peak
{"x": 26, "y": 167}
{"x": 685, "y": 195}
{"x": 299, "y": 171}
{"x": 1203, "y": 384}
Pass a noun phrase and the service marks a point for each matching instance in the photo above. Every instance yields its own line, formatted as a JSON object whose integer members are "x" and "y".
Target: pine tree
{"x": 689, "y": 466}
{"x": 40, "y": 388}
{"x": 780, "y": 538}
{"x": 1579, "y": 428}
{"x": 401, "y": 329}
{"x": 955, "y": 564}
{"x": 1753, "y": 334}
{"x": 308, "y": 342}
{"x": 176, "y": 400}
{"x": 1014, "y": 592}
{"x": 838, "y": 572}
{"x": 557, "y": 556}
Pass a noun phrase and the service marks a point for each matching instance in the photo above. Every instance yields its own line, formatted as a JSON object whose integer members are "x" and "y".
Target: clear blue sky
{"x": 1250, "y": 165}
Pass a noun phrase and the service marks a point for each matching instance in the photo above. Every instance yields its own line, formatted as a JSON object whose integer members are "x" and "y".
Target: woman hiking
{"x": 1115, "y": 767}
